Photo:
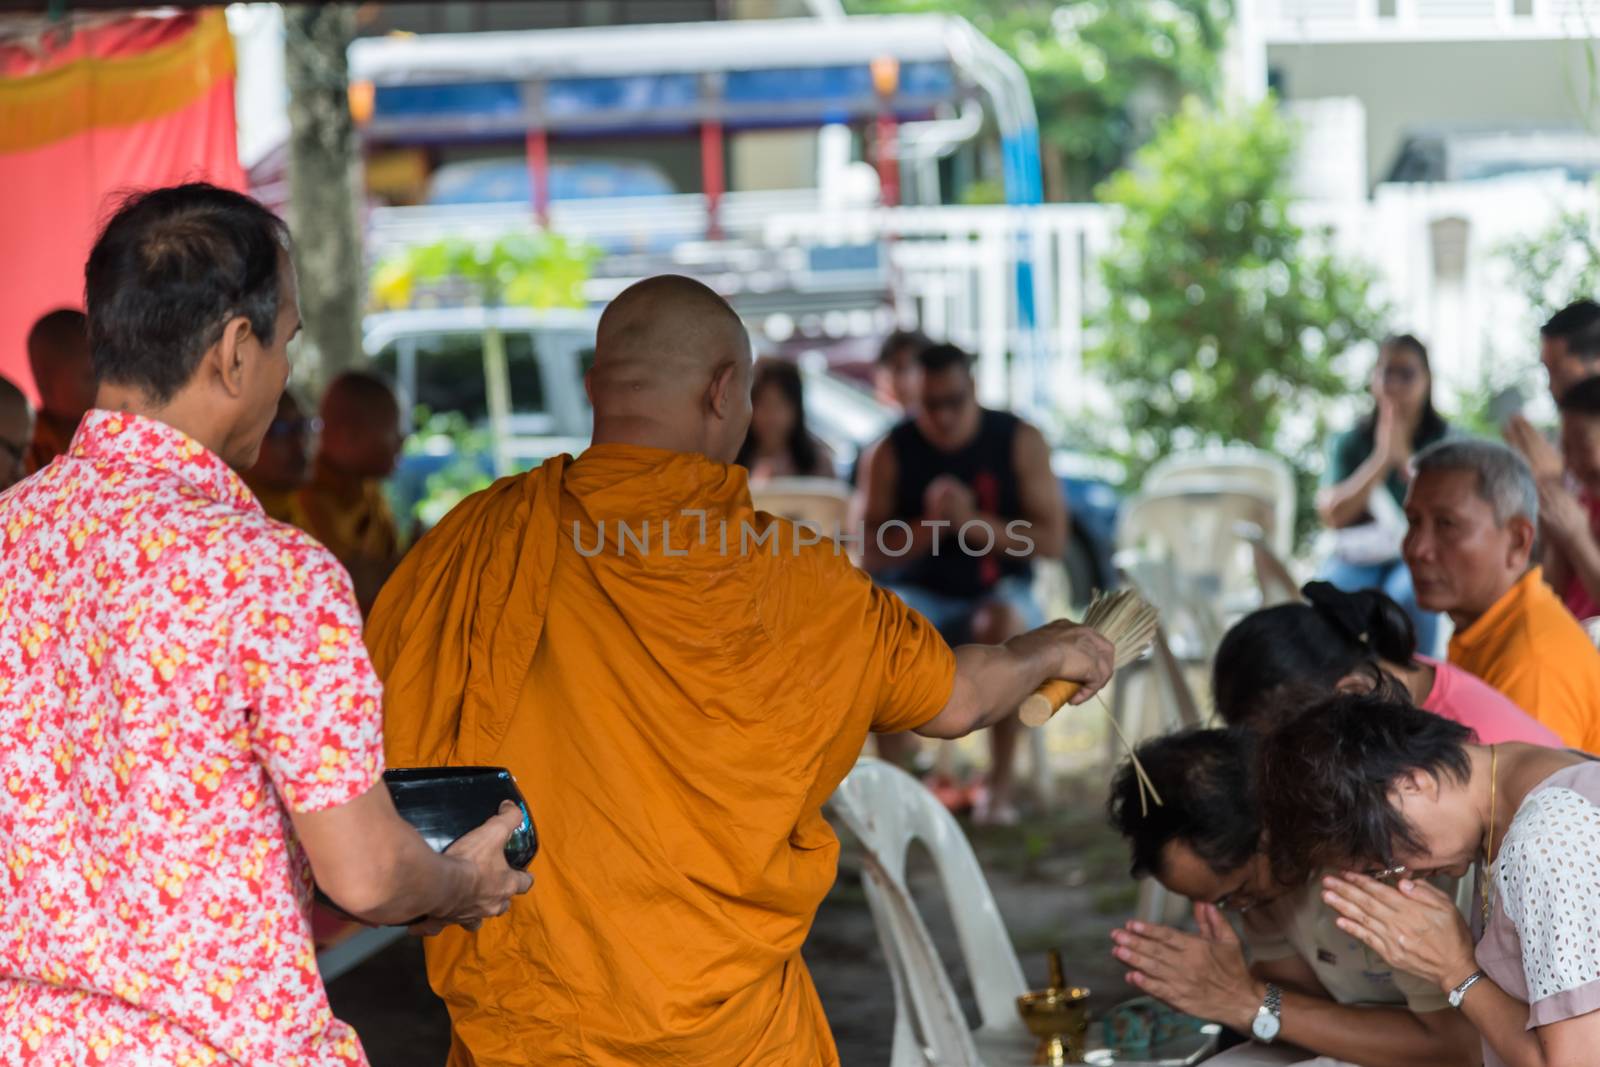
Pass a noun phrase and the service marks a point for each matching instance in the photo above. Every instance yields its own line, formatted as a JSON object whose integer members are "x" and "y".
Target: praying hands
{"x": 1414, "y": 927}
{"x": 1203, "y": 975}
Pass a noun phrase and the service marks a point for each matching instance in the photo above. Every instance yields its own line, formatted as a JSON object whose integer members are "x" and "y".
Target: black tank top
{"x": 986, "y": 466}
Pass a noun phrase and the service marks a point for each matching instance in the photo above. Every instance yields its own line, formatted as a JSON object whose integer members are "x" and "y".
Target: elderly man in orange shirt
{"x": 678, "y": 683}
{"x": 1473, "y": 510}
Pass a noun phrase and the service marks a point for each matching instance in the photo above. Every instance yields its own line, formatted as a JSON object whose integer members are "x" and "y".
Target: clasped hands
{"x": 1204, "y": 974}
{"x": 1412, "y": 925}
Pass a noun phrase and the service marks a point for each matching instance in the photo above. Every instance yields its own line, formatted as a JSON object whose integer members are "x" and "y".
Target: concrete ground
{"x": 1060, "y": 881}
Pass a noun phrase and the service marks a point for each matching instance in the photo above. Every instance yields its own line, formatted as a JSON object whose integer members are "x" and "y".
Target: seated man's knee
{"x": 996, "y": 621}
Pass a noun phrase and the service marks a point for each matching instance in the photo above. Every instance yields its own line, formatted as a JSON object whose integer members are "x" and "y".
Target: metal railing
{"x": 1313, "y": 21}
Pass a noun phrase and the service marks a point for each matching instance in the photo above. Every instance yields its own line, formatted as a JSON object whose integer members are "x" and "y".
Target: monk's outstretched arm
{"x": 991, "y": 680}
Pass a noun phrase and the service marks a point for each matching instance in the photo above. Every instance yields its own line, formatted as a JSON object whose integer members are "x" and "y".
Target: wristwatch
{"x": 1459, "y": 992}
{"x": 1265, "y": 1025}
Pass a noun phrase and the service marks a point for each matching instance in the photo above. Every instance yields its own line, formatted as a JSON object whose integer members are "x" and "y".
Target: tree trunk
{"x": 324, "y": 172}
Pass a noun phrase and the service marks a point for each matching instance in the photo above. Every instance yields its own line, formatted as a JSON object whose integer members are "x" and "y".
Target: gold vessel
{"x": 1057, "y": 1016}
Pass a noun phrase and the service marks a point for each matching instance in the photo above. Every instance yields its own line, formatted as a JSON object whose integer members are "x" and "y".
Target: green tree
{"x": 1102, "y": 72}
{"x": 537, "y": 270}
{"x": 1225, "y": 319}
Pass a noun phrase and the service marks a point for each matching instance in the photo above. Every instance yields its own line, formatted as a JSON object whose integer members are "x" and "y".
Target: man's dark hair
{"x": 1579, "y": 325}
{"x": 167, "y": 273}
{"x": 1206, "y": 781}
{"x": 1582, "y": 399}
{"x": 936, "y": 358}
{"x": 1328, "y": 774}
{"x": 1580, "y": 316}
{"x": 901, "y": 340}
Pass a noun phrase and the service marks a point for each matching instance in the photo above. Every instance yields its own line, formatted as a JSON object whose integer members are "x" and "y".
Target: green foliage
{"x": 1553, "y": 268}
{"x": 448, "y": 431}
{"x": 1225, "y": 319}
{"x": 537, "y": 270}
{"x": 1101, "y": 71}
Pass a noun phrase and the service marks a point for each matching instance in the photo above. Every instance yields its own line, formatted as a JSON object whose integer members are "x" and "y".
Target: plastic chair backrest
{"x": 1195, "y": 527}
{"x": 823, "y": 502}
{"x": 887, "y": 810}
{"x": 1268, "y": 473}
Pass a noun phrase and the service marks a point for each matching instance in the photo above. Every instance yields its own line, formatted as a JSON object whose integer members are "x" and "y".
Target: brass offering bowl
{"x": 1058, "y": 1017}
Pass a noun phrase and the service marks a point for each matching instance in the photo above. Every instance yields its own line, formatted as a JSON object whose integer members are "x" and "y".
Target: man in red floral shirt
{"x": 187, "y": 714}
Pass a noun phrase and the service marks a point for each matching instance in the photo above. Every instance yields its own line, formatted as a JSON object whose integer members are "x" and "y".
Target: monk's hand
{"x": 1083, "y": 655}
{"x": 1203, "y": 975}
{"x": 491, "y": 882}
{"x": 1413, "y": 926}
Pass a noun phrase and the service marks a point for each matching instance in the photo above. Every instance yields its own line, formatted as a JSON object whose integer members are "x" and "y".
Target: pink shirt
{"x": 177, "y": 672}
{"x": 1463, "y": 697}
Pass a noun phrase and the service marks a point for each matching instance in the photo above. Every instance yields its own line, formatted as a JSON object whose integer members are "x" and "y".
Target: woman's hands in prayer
{"x": 1203, "y": 975}
{"x": 1414, "y": 927}
{"x": 1388, "y": 439}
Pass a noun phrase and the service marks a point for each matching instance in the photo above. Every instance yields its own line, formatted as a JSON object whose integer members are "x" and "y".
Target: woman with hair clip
{"x": 1362, "y": 784}
{"x": 1367, "y": 474}
{"x": 1278, "y": 660}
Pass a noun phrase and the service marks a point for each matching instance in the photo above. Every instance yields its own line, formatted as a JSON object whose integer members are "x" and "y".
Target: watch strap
{"x": 1459, "y": 992}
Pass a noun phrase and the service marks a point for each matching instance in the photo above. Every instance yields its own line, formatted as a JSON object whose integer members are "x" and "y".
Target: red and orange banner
{"x": 91, "y": 110}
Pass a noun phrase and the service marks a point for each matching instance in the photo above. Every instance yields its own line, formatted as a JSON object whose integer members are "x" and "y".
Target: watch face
{"x": 1455, "y": 998}
{"x": 1265, "y": 1026}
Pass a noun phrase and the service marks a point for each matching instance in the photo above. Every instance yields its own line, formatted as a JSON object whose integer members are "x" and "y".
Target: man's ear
{"x": 1522, "y": 534}
{"x": 719, "y": 394}
{"x": 226, "y": 358}
{"x": 1415, "y": 783}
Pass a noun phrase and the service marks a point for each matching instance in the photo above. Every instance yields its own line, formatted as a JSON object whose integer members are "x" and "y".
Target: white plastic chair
{"x": 823, "y": 503}
{"x": 887, "y": 809}
{"x": 1191, "y": 533}
{"x": 1267, "y": 473}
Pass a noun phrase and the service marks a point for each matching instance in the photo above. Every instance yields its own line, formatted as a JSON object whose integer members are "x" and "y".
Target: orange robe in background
{"x": 676, "y": 723}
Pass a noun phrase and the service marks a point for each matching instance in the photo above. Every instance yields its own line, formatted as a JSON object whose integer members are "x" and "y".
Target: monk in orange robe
{"x": 677, "y": 702}
{"x": 343, "y": 504}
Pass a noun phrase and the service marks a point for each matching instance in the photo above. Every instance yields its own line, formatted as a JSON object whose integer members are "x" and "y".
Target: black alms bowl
{"x": 445, "y": 803}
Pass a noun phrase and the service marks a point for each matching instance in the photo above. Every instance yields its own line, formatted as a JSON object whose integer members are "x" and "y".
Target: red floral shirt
{"x": 176, "y": 672}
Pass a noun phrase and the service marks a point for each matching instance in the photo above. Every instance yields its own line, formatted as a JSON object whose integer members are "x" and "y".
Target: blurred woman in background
{"x": 1364, "y": 484}
{"x": 1279, "y": 660}
{"x": 778, "y": 444}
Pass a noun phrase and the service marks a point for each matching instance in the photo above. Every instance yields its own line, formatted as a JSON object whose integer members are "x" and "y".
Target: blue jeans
{"x": 1394, "y": 579}
{"x": 952, "y": 616}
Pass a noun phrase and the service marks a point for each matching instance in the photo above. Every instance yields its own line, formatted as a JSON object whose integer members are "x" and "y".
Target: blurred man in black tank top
{"x": 959, "y": 500}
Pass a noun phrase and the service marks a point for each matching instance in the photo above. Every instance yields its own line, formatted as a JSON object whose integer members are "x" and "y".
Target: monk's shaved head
{"x": 671, "y": 369}
{"x": 361, "y": 432}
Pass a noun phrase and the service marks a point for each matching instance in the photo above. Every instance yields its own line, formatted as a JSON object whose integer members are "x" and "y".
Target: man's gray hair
{"x": 1504, "y": 480}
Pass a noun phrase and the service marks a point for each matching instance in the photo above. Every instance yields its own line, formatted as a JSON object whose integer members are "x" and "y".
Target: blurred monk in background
{"x": 58, "y": 355}
{"x": 676, "y": 712}
{"x": 283, "y": 463}
{"x": 343, "y": 505}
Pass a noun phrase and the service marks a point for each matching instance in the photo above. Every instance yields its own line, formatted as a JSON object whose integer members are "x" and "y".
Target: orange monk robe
{"x": 351, "y": 518}
{"x": 676, "y": 724}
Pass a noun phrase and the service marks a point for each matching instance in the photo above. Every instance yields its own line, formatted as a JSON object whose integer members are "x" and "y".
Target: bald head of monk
{"x": 16, "y": 430}
{"x": 671, "y": 370}
{"x": 361, "y": 434}
{"x": 58, "y": 355}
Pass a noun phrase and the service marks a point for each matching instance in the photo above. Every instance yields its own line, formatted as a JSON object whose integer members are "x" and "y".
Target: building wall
{"x": 1404, "y": 85}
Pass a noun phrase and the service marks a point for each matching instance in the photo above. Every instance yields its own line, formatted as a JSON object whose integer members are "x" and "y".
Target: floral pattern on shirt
{"x": 176, "y": 671}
